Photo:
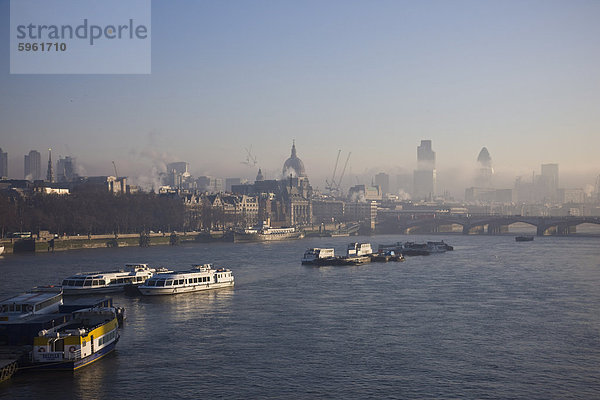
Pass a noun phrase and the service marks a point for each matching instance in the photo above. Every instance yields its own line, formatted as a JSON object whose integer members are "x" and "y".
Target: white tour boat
{"x": 200, "y": 277}
{"x": 266, "y": 233}
{"x": 42, "y": 301}
{"x": 88, "y": 336}
{"x": 110, "y": 281}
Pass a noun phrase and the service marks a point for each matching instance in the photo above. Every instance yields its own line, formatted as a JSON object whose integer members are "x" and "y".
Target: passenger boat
{"x": 1, "y": 249}
{"x": 318, "y": 256}
{"x": 266, "y": 233}
{"x": 110, "y": 281}
{"x": 31, "y": 303}
{"x": 524, "y": 238}
{"x": 88, "y": 336}
{"x": 200, "y": 277}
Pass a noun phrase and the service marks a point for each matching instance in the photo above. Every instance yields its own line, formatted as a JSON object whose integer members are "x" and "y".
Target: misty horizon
{"x": 373, "y": 79}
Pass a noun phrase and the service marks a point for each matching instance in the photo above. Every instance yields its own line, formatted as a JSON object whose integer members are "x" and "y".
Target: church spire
{"x": 294, "y": 148}
{"x": 50, "y": 174}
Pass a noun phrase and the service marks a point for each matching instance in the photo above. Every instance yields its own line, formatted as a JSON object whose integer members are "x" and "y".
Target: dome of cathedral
{"x": 293, "y": 165}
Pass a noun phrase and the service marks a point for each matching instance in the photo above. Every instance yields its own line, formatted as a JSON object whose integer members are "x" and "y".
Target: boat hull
{"x": 69, "y": 291}
{"x": 157, "y": 291}
{"x": 72, "y": 365}
{"x": 260, "y": 237}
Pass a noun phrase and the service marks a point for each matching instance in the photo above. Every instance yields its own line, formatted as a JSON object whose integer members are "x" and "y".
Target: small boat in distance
{"x": 110, "y": 281}
{"x": 200, "y": 277}
{"x": 524, "y": 238}
{"x": 1, "y": 249}
{"x": 318, "y": 256}
{"x": 88, "y": 336}
{"x": 266, "y": 233}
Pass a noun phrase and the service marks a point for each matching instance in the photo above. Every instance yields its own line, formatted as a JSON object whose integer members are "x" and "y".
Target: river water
{"x": 494, "y": 319}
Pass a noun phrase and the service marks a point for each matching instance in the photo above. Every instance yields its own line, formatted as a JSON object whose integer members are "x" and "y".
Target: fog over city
{"x": 373, "y": 79}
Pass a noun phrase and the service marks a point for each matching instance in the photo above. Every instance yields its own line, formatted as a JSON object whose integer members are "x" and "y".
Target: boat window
{"x": 102, "y": 282}
{"x": 18, "y": 307}
{"x": 151, "y": 282}
{"x": 140, "y": 278}
{"x": 87, "y": 282}
{"x": 169, "y": 283}
{"x": 65, "y": 283}
{"x": 160, "y": 282}
{"x": 72, "y": 283}
{"x": 79, "y": 283}
{"x": 95, "y": 282}
{"x": 112, "y": 281}
{"x": 12, "y": 307}
{"x": 120, "y": 280}
{"x": 181, "y": 281}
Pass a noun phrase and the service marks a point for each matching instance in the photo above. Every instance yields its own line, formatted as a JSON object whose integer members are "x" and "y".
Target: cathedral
{"x": 296, "y": 191}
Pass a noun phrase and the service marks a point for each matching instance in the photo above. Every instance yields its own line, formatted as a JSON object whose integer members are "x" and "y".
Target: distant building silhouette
{"x": 424, "y": 186}
{"x": 383, "y": 180}
{"x": 547, "y": 188}
{"x": 33, "y": 166}
{"x": 3, "y": 164}
{"x": 65, "y": 169}
{"x": 178, "y": 175}
{"x": 485, "y": 170}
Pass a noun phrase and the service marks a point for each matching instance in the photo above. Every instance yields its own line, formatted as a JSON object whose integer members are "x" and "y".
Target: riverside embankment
{"x": 67, "y": 242}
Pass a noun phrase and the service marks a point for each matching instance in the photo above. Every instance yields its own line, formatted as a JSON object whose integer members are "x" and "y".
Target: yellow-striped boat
{"x": 90, "y": 335}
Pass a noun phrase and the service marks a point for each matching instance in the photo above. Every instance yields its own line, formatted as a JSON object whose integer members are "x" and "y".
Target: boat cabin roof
{"x": 31, "y": 298}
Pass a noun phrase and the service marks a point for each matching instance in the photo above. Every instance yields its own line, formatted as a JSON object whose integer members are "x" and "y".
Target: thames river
{"x": 494, "y": 319}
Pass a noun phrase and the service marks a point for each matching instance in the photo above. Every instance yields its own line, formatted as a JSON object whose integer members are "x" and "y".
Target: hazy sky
{"x": 371, "y": 77}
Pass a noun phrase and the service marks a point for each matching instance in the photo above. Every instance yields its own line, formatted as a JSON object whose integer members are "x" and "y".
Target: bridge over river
{"x": 481, "y": 224}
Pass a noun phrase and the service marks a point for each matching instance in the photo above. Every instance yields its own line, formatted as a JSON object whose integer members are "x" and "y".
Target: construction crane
{"x": 343, "y": 171}
{"x": 334, "y": 186}
{"x": 115, "y": 167}
{"x": 330, "y": 185}
{"x": 250, "y": 158}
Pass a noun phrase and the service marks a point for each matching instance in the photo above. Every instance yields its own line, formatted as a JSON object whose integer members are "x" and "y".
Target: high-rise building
{"x": 425, "y": 156}
{"x": 3, "y": 164}
{"x": 425, "y": 174}
{"x": 547, "y": 189}
{"x": 383, "y": 181}
{"x": 485, "y": 171}
{"x": 33, "y": 166}
{"x": 65, "y": 169}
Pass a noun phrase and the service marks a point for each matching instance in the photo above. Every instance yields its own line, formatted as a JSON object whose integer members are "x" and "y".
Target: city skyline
{"x": 404, "y": 183}
{"x": 371, "y": 79}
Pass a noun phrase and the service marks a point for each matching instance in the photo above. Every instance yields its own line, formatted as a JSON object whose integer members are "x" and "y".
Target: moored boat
{"x": 318, "y": 256}
{"x": 200, "y": 277}
{"x": 37, "y": 301}
{"x": 88, "y": 336}
{"x": 266, "y": 233}
{"x": 109, "y": 281}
